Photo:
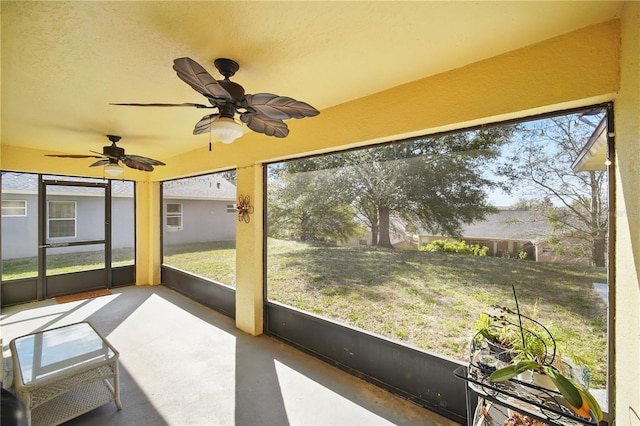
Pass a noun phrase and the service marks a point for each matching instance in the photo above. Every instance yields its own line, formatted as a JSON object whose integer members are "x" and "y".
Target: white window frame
{"x": 174, "y": 215}
{"x": 74, "y": 218}
{"x": 6, "y": 208}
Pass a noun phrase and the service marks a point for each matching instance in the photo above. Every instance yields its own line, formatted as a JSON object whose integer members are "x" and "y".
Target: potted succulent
{"x": 534, "y": 349}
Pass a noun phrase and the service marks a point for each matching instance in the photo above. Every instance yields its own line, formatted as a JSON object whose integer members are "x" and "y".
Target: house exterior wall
{"x": 546, "y": 253}
{"x": 20, "y": 234}
{"x": 123, "y": 231}
{"x": 202, "y": 220}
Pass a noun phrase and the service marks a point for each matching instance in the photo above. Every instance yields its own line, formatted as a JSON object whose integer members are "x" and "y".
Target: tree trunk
{"x": 374, "y": 229}
{"x": 383, "y": 215}
{"x": 304, "y": 231}
{"x": 598, "y": 223}
{"x": 598, "y": 251}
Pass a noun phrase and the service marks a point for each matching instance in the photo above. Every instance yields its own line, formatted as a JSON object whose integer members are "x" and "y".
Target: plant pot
{"x": 540, "y": 380}
{"x": 501, "y": 352}
{"x": 487, "y": 364}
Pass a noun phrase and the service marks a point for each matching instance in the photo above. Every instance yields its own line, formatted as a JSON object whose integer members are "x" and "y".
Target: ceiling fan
{"x": 261, "y": 112}
{"x": 112, "y": 155}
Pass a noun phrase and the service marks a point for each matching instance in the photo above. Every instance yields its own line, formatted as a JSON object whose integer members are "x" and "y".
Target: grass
{"x": 432, "y": 300}
{"x": 427, "y": 300}
{"x": 214, "y": 260}
{"x": 65, "y": 263}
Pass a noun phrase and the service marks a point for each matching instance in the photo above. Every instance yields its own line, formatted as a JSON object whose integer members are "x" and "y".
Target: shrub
{"x": 459, "y": 247}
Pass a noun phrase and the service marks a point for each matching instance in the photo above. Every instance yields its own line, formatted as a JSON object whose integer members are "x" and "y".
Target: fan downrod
{"x": 114, "y": 138}
{"x": 227, "y": 67}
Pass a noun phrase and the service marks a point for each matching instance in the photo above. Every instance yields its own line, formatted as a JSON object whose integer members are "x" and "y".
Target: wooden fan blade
{"x": 72, "y": 156}
{"x": 103, "y": 162}
{"x": 102, "y": 155}
{"x": 140, "y": 163}
{"x": 280, "y": 107}
{"x": 261, "y": 124}
{"x": 142, "y": 159}
{"x": 204, "y": 125}
{"x": 186, "y": 104}
{"x": 199, "y": 79}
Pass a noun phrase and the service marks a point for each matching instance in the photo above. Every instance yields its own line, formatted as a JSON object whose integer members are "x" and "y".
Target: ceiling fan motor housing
{"x": 113, "y": 151}
{"x": 235, "y": 90}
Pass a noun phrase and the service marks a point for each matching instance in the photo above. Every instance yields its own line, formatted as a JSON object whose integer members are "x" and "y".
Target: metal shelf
{"x": 545, "y": 405}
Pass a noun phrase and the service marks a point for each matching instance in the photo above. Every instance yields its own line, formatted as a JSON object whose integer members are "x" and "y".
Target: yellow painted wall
{"x": 148, "y": 233}
{"x": 574, "y": 69}
{"x": 592, "y": 65}
{"x": 627, "y": 214}
{"x": 249, "y": 249}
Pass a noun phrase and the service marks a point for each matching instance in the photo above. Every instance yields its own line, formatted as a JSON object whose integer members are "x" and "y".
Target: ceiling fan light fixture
{"x": 113, "y": 169}
{"x": 226, "y": 129}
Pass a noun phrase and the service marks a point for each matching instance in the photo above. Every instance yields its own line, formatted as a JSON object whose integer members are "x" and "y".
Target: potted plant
{"x": 534, "y": 349}
{"x": 497, "y": 336}
{"x": 579, "y": 398}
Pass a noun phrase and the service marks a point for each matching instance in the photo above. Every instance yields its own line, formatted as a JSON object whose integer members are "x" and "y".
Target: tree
{"x": 436, "y": 182}
{"x": 539, "y": 166}
{"x": 302, "y": 206}
{"x": 432, "y": 182}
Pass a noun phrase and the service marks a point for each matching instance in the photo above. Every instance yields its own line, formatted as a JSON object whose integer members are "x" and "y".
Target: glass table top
{"x": 47, "y": 354}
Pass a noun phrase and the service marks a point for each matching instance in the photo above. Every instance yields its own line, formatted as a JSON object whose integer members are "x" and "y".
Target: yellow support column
{"x": 148, "y": 233}
{"x": 249, "y": 264}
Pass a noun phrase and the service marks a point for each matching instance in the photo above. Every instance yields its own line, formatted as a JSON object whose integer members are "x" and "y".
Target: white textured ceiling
{"x": 63, "y": 62}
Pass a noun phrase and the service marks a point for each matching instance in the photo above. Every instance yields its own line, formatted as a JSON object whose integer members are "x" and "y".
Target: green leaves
{"x": 566, "y": 388}
{"x": 592, "y": 403}
{"x": 513, "y": 370}
{"x": 578, "y": 397}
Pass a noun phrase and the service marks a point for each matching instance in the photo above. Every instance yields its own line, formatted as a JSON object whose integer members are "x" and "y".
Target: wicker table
{"x": 64, "y": 372}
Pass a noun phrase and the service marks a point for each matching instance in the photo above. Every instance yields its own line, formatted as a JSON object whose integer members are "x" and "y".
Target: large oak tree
{"x": 437, "y": 183}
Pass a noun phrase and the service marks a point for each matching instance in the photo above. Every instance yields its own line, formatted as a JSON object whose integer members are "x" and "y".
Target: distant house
{"x": 199, "y": 209}
{"x": 194, "y": 210}
{"x": 74, "y": 213}
{"x": 507, "y": 233}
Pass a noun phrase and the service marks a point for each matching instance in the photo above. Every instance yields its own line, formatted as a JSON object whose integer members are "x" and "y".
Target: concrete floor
{"x": 184, "y": 364}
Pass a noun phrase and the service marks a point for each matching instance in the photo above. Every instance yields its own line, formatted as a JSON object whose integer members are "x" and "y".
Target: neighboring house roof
{"x": 508, "y": 225}
{"x": 27, "y": 183}
{"x": 207, "y": 187}
{"x": 594, "y": 153}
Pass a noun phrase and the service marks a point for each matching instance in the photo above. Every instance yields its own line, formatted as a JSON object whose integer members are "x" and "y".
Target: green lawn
{"x": 65, "y": 263}
{"x": 428, "y": 300}
{"x": 214, "y": 260}
{"x": 432, "y": 300}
